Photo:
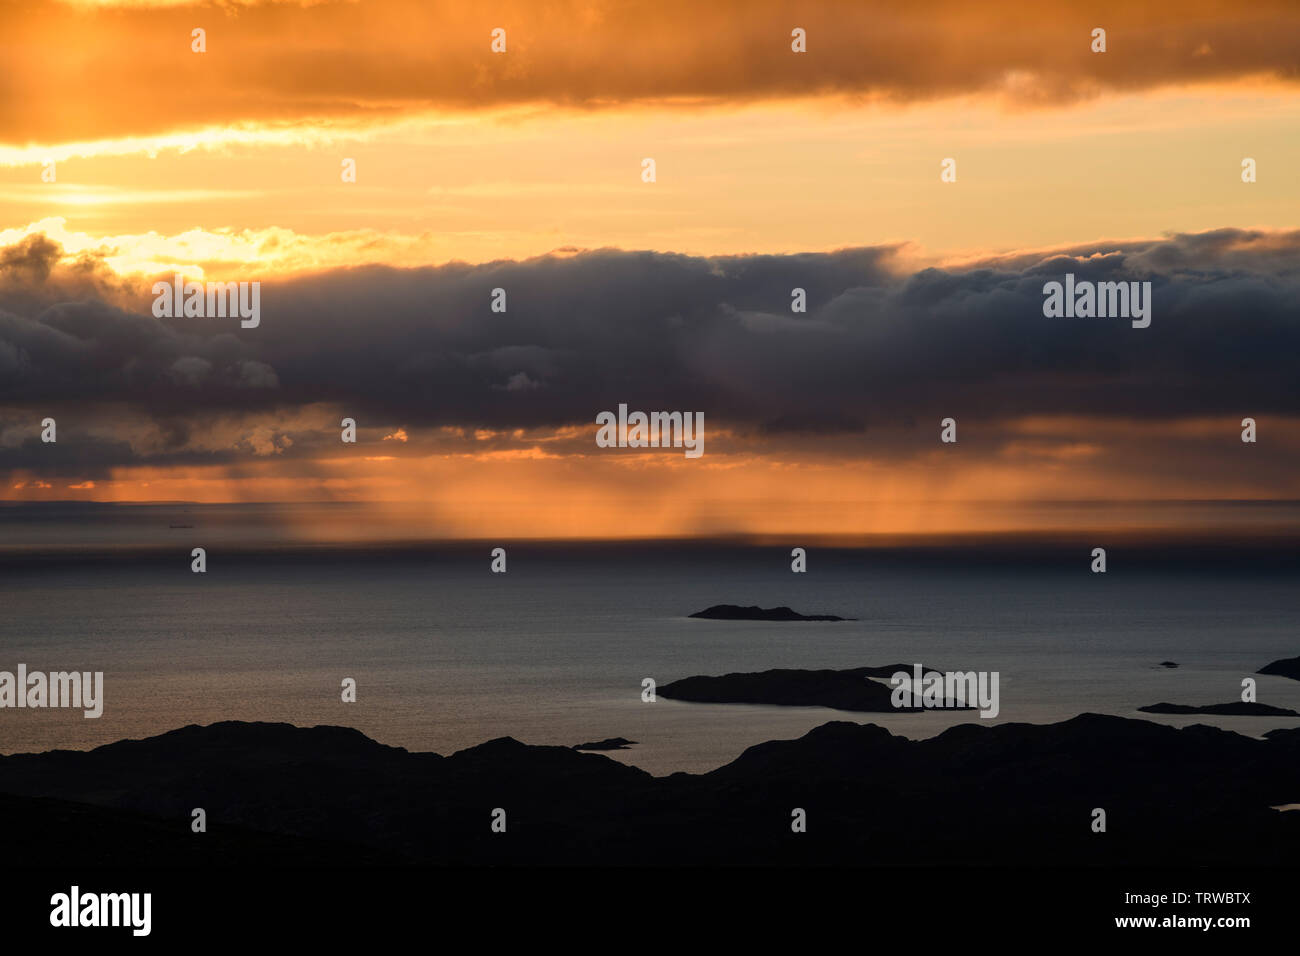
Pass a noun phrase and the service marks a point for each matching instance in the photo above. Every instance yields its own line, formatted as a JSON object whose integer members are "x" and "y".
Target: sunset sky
{"x": 774, "y": 169}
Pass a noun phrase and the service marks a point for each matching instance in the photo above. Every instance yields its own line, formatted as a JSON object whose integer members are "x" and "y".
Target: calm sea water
{"x": 447, "y": 655}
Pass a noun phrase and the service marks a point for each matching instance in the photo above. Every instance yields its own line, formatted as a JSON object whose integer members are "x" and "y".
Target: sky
{"x": 127, "y": 157}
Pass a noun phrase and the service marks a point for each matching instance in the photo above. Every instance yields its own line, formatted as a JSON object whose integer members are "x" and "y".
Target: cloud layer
{"x": 880, "y": 346}
{"x": 71, "y": 72}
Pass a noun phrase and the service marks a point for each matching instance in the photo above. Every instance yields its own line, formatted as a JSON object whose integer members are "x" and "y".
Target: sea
{"x": 446, "y": 654}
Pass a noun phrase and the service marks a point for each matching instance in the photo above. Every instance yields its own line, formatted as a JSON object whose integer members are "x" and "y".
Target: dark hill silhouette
{"x": 1287, "y": 667}
{"x": 1011, "y": 793}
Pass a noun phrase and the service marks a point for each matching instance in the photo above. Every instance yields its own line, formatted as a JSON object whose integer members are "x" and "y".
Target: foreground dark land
{"x": 1016, "y": 793}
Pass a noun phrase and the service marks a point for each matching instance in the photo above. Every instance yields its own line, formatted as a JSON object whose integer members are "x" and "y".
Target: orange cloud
{"x": 283, "y": 63}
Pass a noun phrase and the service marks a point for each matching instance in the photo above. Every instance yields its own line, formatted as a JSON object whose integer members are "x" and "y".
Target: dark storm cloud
{"x": 878, "y": 346}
